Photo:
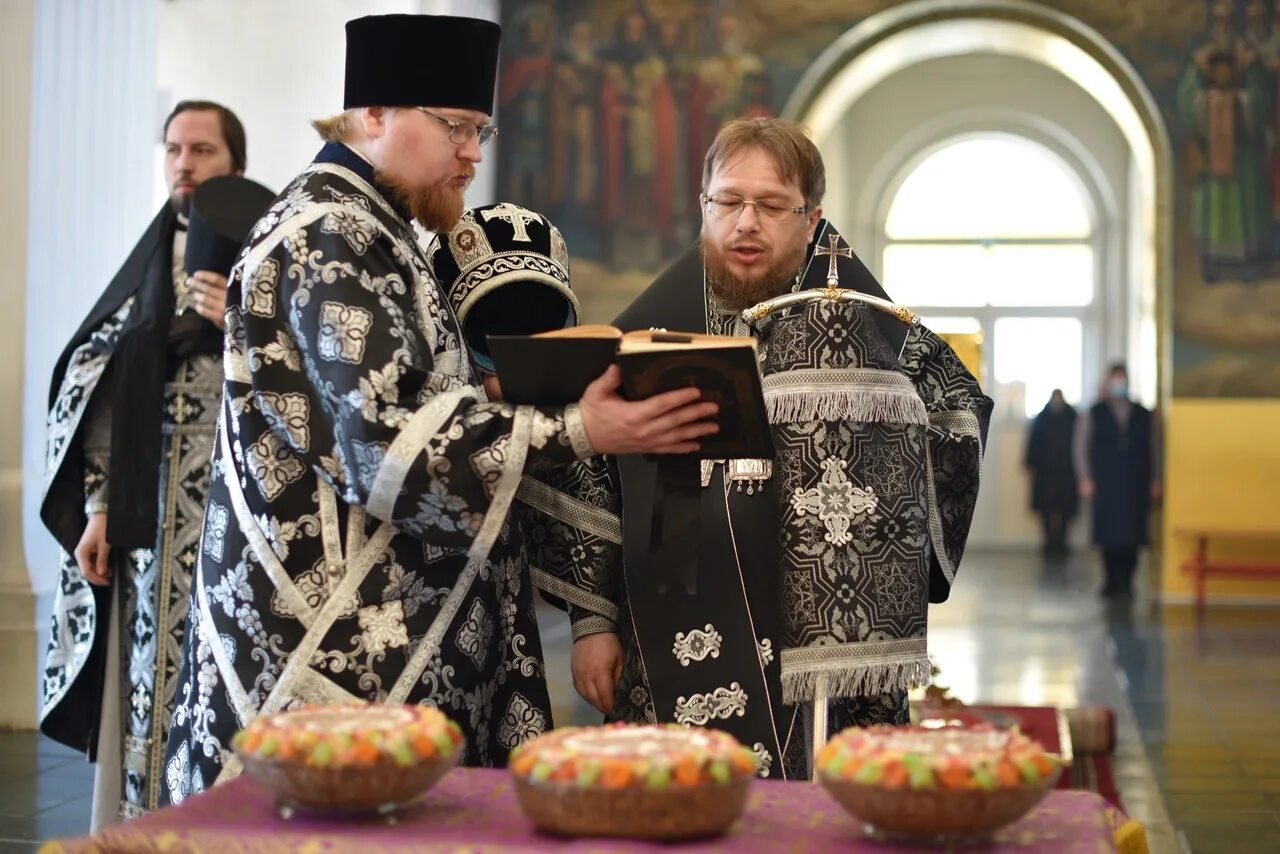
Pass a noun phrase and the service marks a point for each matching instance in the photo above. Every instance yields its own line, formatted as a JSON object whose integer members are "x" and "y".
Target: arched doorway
{"x": 1053, "y": 93}
{"x": 992, "y": 235}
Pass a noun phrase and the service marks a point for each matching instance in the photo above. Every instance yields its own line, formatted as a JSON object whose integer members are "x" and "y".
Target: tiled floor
{"x": 1019, "y": 630}
{"x": 45, "y": 791}
{"x": 1199, "y": 730}
{"x": 1207, "y": 701}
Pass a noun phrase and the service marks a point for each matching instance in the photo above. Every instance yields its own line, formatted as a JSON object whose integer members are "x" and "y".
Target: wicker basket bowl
{"x": 936, "y": 782}
{"x": 382, "y": 788}
{"x": 350, "y": 759}
{"x": 635, "y": 782}
{"x": 937, "y": 812}
{"x": 691, "y": 812}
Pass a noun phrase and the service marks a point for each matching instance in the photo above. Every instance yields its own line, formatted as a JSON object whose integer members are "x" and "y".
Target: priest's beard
{"x": 180, "y": 204}
{"x": 736, "y": 292}
{"x": 436, "y": 208}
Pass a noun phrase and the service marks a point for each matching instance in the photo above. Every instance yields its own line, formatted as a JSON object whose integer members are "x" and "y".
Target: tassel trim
{"x": 866, "y": 395}
{"x": 854, "y": 669}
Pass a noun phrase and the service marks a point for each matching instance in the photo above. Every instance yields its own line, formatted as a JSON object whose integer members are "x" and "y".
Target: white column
{"x": 17, "y": 627}
{"x": 93, "y": 137}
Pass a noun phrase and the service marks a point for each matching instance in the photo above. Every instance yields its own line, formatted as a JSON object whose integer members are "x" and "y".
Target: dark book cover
{"x": 728, "y": 376}
{"x": 555, "y": 371}
{"x": 549, "y": 371}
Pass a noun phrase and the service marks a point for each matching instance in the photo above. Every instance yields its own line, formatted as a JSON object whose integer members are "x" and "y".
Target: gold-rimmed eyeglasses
{"x": 731, "y": 207}
{"x": 461, "y": 133}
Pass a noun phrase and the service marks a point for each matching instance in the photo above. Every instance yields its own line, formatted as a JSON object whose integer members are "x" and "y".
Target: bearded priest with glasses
{"x": 356, "y": 539}
{"x": 806, "y": 577}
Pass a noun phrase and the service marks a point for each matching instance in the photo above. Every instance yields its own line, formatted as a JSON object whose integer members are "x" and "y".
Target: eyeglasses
{"x": 730, "y": 207}
{"x": 460, "y": 133}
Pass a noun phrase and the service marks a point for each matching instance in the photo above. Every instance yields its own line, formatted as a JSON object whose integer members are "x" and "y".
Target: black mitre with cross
{"x": 506, "y": 271}
{"x": 675, "y": 300}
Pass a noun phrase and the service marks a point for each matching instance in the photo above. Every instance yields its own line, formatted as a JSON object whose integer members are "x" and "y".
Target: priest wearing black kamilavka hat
{"x": 132, "y": 408}
{"x": 356, "y": 540}
{"x": 805, "y": 578}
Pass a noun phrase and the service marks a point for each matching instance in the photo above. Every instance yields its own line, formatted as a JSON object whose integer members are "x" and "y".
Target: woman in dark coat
{"x": 1054, "y": 496}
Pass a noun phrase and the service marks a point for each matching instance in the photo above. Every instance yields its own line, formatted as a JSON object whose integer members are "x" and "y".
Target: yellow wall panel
{"x": 1222, "y": 468}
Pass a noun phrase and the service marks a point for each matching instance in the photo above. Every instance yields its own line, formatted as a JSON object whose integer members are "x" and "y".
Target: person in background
{"x": 1054, "y": 493}
{"x": 1118, "y": 460}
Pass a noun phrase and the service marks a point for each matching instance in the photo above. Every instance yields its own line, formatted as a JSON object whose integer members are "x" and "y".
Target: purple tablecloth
{"x": 475, "y": 810}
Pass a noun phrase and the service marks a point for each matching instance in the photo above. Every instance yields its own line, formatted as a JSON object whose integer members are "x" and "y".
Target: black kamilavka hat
{"x": 223, "y": 212}
{"x": 421, "y": 61}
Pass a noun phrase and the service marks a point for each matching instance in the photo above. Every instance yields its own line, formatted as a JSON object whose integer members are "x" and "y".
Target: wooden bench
{"x": 1200, "y": 567}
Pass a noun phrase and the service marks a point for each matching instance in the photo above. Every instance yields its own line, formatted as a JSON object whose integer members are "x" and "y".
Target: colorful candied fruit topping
{"x": 618, "y": 756}
{"x": 356, "y": 734}
{"x": 935, "y": 758}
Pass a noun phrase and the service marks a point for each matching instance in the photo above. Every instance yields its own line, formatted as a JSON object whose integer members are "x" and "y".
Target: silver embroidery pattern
{"x": 273, "y": 466}
{"x": 764, "y": 648}
{"x": 382, "y": 626}
{"x": 521, "y": 722}
{"x": 835, "y": 501}
{"x": 260, "y": 296}
{"x": 343, "y": 331}
{"x": 216, "y": 520}
{"x": 697, "y": 645}
{"x": 359, "y": 230}
{"x": 476, "y": 634}
{"x": 289, "y": 413}
{"x": 764, "y": 759}
{"x": 722, "y": 703}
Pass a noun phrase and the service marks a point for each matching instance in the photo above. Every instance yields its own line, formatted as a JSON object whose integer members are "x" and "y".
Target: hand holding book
{"x": 666, "y": 423}
{"x": 561, "y": 367}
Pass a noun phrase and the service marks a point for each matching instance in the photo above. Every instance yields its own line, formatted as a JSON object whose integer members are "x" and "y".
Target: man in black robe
{"x": 130, "y": 436}
{"x": 357, "y": 543}
{"x": 725, "y": 651}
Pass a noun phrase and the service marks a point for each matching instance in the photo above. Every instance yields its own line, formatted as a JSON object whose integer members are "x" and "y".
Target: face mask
{"x": 1118, "y": 388}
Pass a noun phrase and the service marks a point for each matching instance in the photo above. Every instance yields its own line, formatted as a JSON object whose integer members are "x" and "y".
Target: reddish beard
{"x": 737, "y": 292}
{"x": 437, "y": 207}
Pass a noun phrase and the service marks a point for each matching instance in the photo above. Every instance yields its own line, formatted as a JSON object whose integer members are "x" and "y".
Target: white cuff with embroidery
{"x": 577, "y": 432}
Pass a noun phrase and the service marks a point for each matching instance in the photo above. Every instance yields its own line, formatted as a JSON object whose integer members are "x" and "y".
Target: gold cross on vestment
{"x": 833, "y": 251}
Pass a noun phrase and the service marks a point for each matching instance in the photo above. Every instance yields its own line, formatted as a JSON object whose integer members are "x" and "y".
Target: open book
{"x": 555, "y": 368}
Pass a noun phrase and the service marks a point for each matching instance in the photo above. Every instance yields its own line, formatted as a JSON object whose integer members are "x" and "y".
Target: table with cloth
{"x": 475, "y": 810}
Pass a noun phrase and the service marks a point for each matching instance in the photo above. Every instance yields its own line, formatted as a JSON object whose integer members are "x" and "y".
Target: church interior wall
{"x": 1222, "y": 466}
{"x": 1218, "y": 336}
{"x": 17, "y": 626}
{"x": 751, "y": 54}
{"x": 938, "y": 100}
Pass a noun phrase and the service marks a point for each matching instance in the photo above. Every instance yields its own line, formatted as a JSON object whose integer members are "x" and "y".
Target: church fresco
{"x": 607, "y": 107}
